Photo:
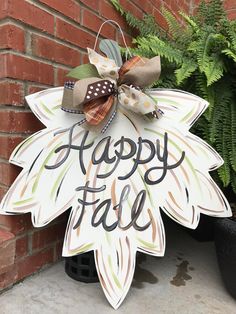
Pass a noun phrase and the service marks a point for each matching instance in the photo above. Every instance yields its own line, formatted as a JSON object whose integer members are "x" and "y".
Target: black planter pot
{"x": 205, "y": 229}
{"x": 81, "y": 267}
{"x": 225, "y": 242}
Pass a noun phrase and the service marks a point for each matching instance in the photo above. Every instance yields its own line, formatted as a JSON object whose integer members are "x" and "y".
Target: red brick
{"x": 7, "y": 249}
{"x": 61, "y": 76}
{"x": 74, "y": 35}
{"x": 174, "y": 8}
{"x": 16, "y": 224}
{"x": 93, "y": 22}
{"x": 146, "y": 6}
{"x": 93, "y": 4}
{"x": 8, "y": 173}
{"x": 160, "y": 19}
{"x": 7, "y": 144}
{"x": 58, "y": 250}
{"x": 8, "y": 277}
{"x": 232, "y": 15}
{"x": 183, "y": 6}
{"x": 19, "y": 121}
{"x": 21, "y": 246}
{"x": 229, "y": 4}
{"x": 11, "y": 93}
{"x": 12, "y": 37}
{"x": 46, "y": 236}
{"x": 161, "y": 3}
{"x": 67, "y": 7}
{"x": 34, "y": 89}
{"x": 3, "y": 8}
{"x": 85, "y": 58}
{"x": 27, "y": 13}
{"x": 5, "y": 236}
{"x": 128, "y": 40}
{"x": 197, "y": 2}
{"x": 33, "y": 263}
{"x": 51, "y": 50}
{"x": 128, "y": 6}
{"x": 24, "y": 68}
{"x": 109, "y": 12}
{"x": 3, "y": 191}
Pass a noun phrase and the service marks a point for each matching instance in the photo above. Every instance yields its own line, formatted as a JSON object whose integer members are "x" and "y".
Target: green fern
{"x": 175, "y": 29}
{"x": 230, "y": 53}
{"x": 156, "y": 46}
{"x": 210, "y": 13}
{"x": 185, "y": 71}
{"x": 202, "y": 12}
{"x": 221, "y": 100}
{"x": 222, "y": 141}
{"x": 214, "y": 70}
{"x": 198, "y": 56}
{"x": 190, "y": 21}
{"x": 233, "y": 182}
{"x": 232, "y": 150}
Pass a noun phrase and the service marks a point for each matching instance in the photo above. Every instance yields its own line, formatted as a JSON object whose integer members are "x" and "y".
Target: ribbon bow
{"x": 103, "y": 85}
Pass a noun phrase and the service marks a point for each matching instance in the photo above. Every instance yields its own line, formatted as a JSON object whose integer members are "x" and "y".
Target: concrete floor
{"x": 186, "y": 280}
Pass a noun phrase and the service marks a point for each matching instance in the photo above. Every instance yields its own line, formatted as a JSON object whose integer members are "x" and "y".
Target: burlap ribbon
{"x": 97, "y": 97}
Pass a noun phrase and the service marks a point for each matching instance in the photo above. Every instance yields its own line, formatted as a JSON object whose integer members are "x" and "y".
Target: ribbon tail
{"x": 143, "y": 74}
{"x": 136, "y": 101}
{"x": 96, "y": 110}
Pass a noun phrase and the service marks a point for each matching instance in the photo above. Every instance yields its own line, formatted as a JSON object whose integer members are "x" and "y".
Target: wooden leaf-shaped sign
{"x": 116, "y": 183}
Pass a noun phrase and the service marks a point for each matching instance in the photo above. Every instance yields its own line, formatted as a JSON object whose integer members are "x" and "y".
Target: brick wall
{"x": 40, "y": 40}
{"x": 230, "y": 6}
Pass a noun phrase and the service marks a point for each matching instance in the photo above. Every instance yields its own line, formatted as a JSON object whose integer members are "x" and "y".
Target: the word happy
{"x": 102, "y": 154}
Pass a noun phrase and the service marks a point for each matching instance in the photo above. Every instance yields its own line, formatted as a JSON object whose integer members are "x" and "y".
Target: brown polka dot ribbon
{"x": 98, "y": 97}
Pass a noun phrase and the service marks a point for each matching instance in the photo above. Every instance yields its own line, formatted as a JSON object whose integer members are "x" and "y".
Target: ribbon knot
{"x": 98, "y": 96}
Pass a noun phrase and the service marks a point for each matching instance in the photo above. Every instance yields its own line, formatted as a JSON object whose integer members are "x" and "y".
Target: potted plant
{"x": 225, "y": 243}
{"x": 198, "y": 55}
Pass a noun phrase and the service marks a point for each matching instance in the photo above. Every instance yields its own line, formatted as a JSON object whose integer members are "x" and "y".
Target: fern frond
{"x": 201, "y": 129}
{"x": 215, "y": 12}
{"x": 229, "y": 53}
{"x": 223, "y": 140}
{"x": 214, "y": 70}
{"x": 232, "y": 127}
{"x": 202, "y": 12}
{"x": 210, "y": 13}
{"x": 229, "y": 30}
{"x": 201, "y": 86}
{"x": 209, "y": 62}
{"x": 201, "y": 48}
{"x": 224, "y": 170}
{"x": 185, "y": 71}
{"x": 222, "y": 100}
{"x": 161, "y": 48}
{"x": 190, "y": 21}
{"x": 175, "y": 29}
{"x": 233, "y": 181}
{"x": 118, "y": 6}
